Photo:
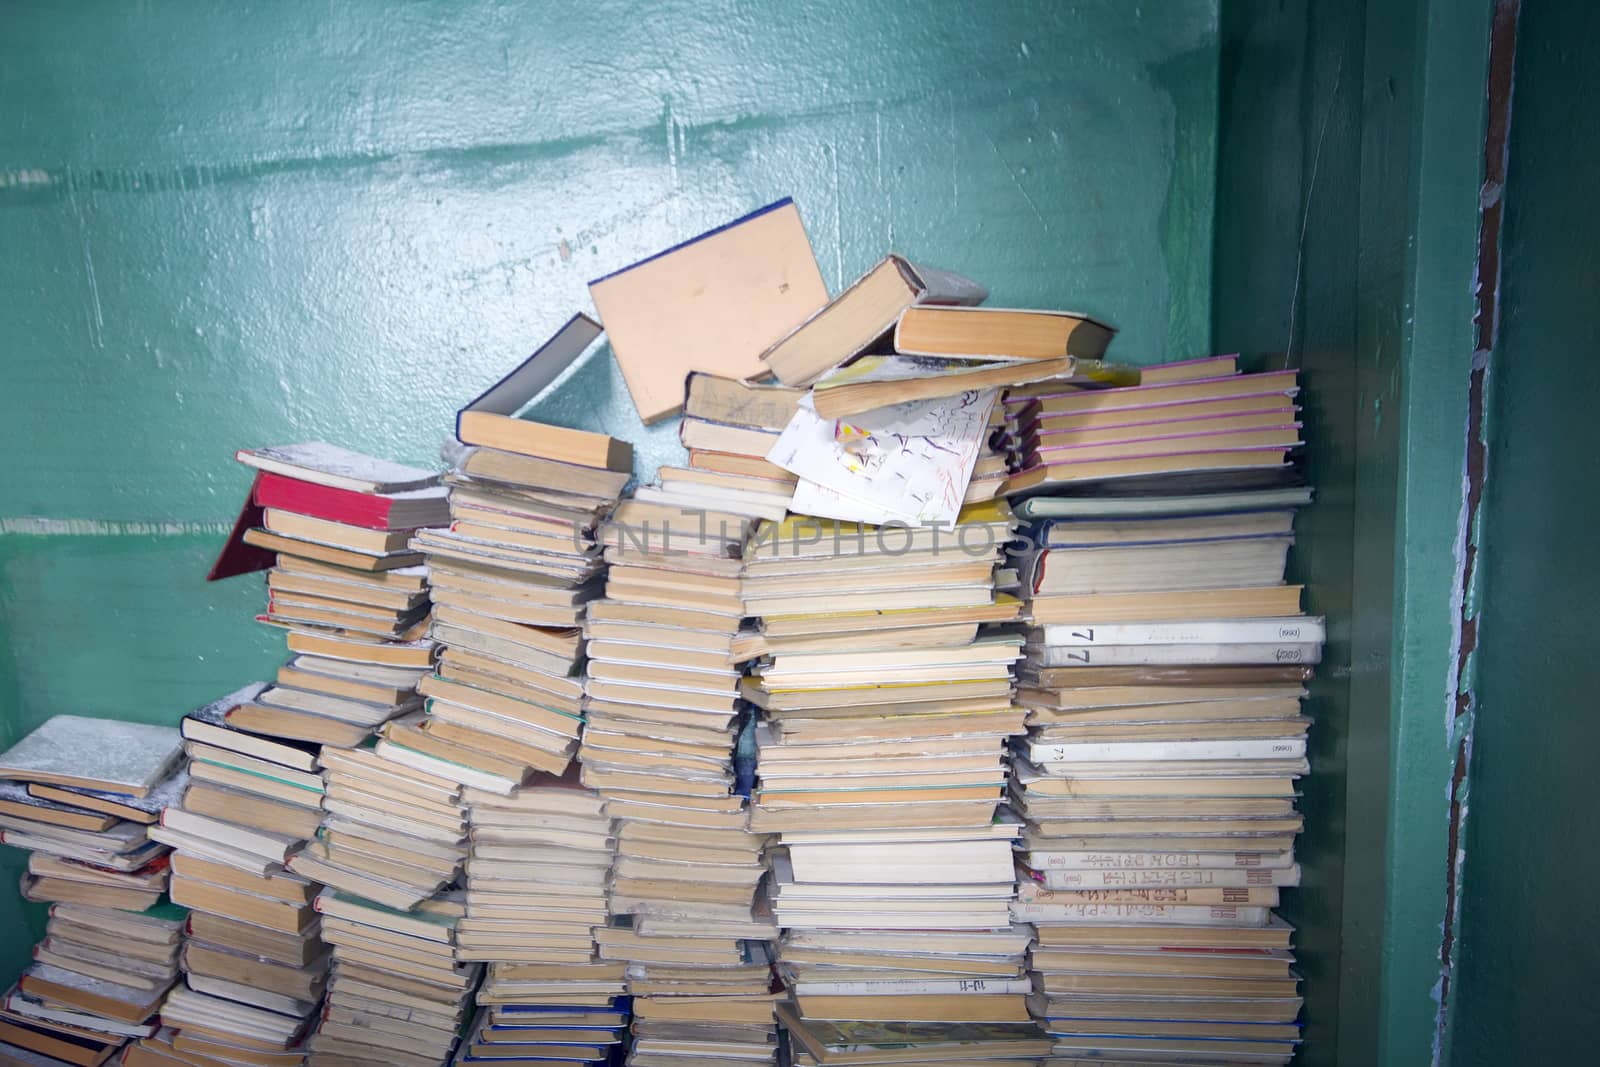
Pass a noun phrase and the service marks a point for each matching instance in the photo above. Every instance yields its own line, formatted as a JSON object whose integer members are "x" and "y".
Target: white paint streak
{"x": 39, "y": 526}
{"x": 27, "y": 177}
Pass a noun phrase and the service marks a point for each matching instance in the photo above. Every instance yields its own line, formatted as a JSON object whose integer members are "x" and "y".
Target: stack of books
{"x": 397, "y": 996}
{"x": 1165, "y": 665}
{"x": 664, "y": 715}
{"x": 532, "y": 1003}
{"x": 728, "y": 428}
{"x": 345, "y": 584}
{"x": 886, "y": 711}
{"x": 254, "y": 962}
{"x": 1199, "y": 420}
{"x": 97, "y": 980}
{"x": 77, "y": 793}
{"x": 80, "y": 794}
{"x": 536, "y": 890}
{"x": 510, "y": 579}
{"x": 333, "y": 526}
{"x": 536, "y": 877}
{"x": 546, "y": 1035}
{"x": 392, "y": 832}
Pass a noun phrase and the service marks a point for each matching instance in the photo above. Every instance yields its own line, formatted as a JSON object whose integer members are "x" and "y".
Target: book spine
{"x": 1152, "y": 914}
{"x": 912, "y": 987}
{"x": 1291, "y": 631}
{"x": 1140, "y": 655}
{"x": 367, "y": 510}
{"x": 1171, "y": 878}
{"x": 1262, "y": 896}
{"x": 1113, "y": 751}
{"x": 1157, "y": 861}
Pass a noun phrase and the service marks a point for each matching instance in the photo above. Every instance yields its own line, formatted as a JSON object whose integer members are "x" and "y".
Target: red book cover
{"x": 236, "y": 557}
{"x": 369, "y": 510}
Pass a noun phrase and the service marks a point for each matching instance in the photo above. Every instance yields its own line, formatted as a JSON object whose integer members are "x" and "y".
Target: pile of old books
{"x": 1165, "y": 664}
{"x": 80, "y": 794}
{"x": 886, "y": 707}
{"x": 345, "y": 585}
{"x": 664, "y": 714}
{"x": 254, "y": 964}
{"x": 397, "y": 995}
{"x": 536, "y": 891}
{"x": 510, "y": 578}
{"x": 536, "y": 877}
{"x": 528, "y": 1006}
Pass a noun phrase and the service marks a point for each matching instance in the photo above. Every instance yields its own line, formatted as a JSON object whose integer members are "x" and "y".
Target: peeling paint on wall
{"x": 1461, "y": 700}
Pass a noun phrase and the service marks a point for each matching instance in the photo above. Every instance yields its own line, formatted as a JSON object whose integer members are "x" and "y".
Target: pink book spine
{"x": 1192, "y": 362}
{"x": 1163, "y": 455}
{"x": 1199, "y": 439}
{"x": 1141, "y": 404}
{"x": 1269, "y": 380}
{"x": 1286, "y": 414}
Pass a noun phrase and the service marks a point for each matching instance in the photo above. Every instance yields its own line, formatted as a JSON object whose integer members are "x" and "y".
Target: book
{"x": 297, "y": 725}
{"x": 732, "y": 402}
{"x": 1046, "y": 475}
{"x": 1040, "y": 433}
{"x": 145, "y": 809}
{"x": 533, "y": 375}
{"x": 105, "y": 754}
{"x": 721, "y": 437}
{"x": 15, "y": 800}
{"x": 1036, "y": 507}
{"x": 873, "y": 382}
{"x": 1189, "y": 369}
{"x": 208, "y": 725}
{"x": 1000, "y": 333}
{"x": 339, "y": 468}
{"x": 1170, "y": 877}
{"x": 1099, "y": 752}
{"x": 404, "y": 510}
{"x": 341, "y": 557}
{"x": 1232, "y": 394}
{"x": 1192, "y": 653}
{"x": 713, "y": 303}
{"x": 540, "y": 440}
{"x": 509, "y": 468}
{"x": 335, "y": 534}
{"x": 864, "y": 313}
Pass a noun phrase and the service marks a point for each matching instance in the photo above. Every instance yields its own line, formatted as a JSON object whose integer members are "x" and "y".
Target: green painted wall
{"x": 1524, "y": 983}
{"x": 224, "y": 225}
{"x": 1349, "y": 163}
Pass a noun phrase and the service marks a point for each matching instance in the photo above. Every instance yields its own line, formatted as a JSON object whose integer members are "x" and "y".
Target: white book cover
{"x": 1173, "y": 878}
{"x": 1288, "y": 630}
{"x": 914, "y": 987}
{"x": 1110, "y": 751}
{"x": 108, "y": 754}
{"x": 339, "y": 468}
{"x": 1156, "y": 861}
{"x": 1132, "y": 655}
{"x": 1140, "y": 914}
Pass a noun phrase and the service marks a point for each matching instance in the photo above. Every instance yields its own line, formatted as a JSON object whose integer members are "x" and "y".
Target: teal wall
{"x": 224, "y": 225}
{"x": 1349, "y": 165}
{"x": 1528, "y": 936}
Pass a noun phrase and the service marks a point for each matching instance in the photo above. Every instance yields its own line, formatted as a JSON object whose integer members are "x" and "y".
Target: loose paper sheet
{"x": 908, "y": 463}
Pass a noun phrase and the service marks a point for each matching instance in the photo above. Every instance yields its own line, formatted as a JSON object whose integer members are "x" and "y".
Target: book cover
{"x": 713, "y": 303}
